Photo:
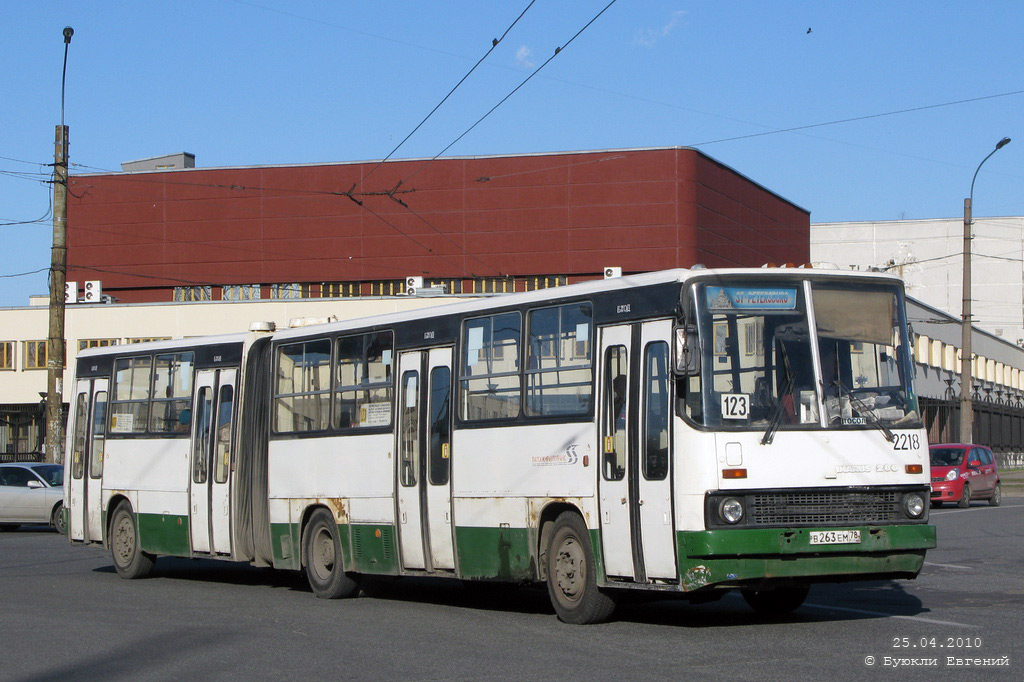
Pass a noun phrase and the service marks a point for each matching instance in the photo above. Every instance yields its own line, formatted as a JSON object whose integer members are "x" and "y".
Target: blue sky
{"x": 290, "y": 82}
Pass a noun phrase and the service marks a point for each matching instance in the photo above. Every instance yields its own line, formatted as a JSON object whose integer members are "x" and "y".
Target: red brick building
{"x": 473, "y": 224}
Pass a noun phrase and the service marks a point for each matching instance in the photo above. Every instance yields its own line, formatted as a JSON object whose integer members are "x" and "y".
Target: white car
{"x": 31, "y": 492}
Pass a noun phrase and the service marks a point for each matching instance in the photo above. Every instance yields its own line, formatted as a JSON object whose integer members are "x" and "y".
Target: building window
{"x": 6, "y": 354}
{"x": 147, "y": 339}
{"x": 96, "y": 343}
{"x": 196, "y": 293}
{"x": 492, "y": 285}
{"x": 340, "y": 289}
{"x": 387, "y": 287}
{"x": 239, "y": 292}
{"x": 34, "y": 355}
{"x": 289, "y": 291}
{"x": 545, "y": 282}
{"x": 450, "y": 286}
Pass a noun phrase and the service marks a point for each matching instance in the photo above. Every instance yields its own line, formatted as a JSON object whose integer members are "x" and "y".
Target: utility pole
{"x": 966, "y": 353}
{"x": 58, "y": 276}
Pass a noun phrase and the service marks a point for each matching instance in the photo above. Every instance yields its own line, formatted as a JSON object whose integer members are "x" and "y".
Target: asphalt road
{"x": 65, "y": 615}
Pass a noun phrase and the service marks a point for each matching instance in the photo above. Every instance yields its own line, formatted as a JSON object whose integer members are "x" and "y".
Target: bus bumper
{"x": 744, "y": 557}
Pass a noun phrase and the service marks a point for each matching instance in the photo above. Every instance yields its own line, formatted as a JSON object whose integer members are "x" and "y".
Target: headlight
{"x": 953, "y": 473}
{"x": 731, "y": 510}
{"x": 913, "y": 505}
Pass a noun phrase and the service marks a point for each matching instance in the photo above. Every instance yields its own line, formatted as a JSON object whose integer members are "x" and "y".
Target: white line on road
{"x": 962, "y": 568}
{"x": 891, "y": 615}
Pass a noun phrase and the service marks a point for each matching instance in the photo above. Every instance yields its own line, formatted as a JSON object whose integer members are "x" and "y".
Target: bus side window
{"x": 79, "y": 438}
{"x": 99, "y": 423}
{"x": 223, "y": 448}
{"x": 410, "y": 429}
{"x": 615, "y": 413}
{"x": 656, "y": 417}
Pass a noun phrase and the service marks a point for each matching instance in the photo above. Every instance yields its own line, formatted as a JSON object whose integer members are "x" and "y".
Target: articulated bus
{"x": 686, "y": 432}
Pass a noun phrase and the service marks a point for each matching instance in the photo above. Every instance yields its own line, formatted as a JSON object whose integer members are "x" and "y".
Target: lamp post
{"x": 58, "y": 277}
{"x": 966, "y": 378}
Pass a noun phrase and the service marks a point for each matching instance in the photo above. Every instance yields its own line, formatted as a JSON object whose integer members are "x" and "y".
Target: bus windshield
{"x": 801, "y": 355}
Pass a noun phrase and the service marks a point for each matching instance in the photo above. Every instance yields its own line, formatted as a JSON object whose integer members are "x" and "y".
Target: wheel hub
{"x": 569, "y": 569}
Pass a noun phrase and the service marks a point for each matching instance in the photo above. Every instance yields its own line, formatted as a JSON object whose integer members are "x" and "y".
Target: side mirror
{"x": 687, "y": 349}
{"x": 974, "y": 463}
{"x": 34, "y": 484}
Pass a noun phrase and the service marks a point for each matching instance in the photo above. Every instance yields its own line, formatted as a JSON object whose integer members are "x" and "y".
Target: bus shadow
{"x": 477, "y": 595}
{"x": 220, "y": 572}
{"x": 825, "y": 603}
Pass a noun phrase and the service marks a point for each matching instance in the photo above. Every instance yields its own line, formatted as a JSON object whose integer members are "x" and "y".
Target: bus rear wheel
{"x": 322, "y": 560}
{"x": 571, "y": 576}
{"x": 778, "y": 602}
{"x": 129, "y": 559}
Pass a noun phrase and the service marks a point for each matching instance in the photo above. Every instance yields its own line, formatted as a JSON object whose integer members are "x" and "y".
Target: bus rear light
{"x": 915, "y": 468}
{"x": 734, "y": 473}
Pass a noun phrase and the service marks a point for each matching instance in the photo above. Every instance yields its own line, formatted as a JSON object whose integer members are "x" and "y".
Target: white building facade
{"x": 928, "y": 254}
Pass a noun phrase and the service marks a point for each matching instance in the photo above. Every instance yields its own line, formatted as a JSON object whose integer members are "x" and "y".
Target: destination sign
{"x": 745, "y": 298}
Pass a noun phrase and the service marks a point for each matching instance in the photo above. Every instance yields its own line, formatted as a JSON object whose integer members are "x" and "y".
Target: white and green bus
{"x": 685, "y": 432}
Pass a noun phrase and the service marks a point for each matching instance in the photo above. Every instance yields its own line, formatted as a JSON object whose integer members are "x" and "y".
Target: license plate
{"x": 835, "y": 537}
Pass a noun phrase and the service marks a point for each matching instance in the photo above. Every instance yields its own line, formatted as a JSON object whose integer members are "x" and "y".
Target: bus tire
{"x": 129, "y": 559}
{"x": 778, "y": 602}
{"x": 322, "y": 559}
{"x": 965, "y": 497}
{"x": 571, "y": 574}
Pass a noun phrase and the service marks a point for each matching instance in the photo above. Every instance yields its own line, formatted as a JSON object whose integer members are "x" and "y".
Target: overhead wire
{"x": 494, "y": 44}
{"x": 516, "y": 89}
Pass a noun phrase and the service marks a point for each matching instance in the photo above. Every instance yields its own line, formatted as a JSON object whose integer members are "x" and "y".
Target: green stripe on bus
{"x": 373, "y": 548}
{"x": 767, "y": 541}
{"x": 164, "y": 534}
{"x": 730, "y": 556}
{"x": 501, "y": 553}
{"x": 366, "y": 548}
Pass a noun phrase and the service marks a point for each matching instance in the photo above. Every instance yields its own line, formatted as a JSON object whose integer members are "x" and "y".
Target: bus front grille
{"x": 824, "y": 508}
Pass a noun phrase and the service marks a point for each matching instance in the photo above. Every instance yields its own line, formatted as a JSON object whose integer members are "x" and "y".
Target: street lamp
{"x": 966, "y": 378}
{"x": 58, "y": 277}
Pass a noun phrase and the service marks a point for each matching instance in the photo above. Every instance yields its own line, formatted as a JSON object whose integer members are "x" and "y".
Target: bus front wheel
{"x": 321, "y": 553}
{"x": 129, "y": 559}
{"x": 571, "y": 577}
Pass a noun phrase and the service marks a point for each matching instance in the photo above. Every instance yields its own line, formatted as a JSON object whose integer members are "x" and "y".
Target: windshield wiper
{"x": 867, "y": 413}
{"x": 773, "y": 423}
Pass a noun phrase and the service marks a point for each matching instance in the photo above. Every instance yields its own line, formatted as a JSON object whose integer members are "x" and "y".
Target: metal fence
{"x": 998, "y": 423}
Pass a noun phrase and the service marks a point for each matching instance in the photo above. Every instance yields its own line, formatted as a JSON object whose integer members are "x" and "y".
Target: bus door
{"x": 424, "y": 460}
{"x": 85, "y": 493}
{"x": 210, "y": 460}
{"x": 635, "y": 485}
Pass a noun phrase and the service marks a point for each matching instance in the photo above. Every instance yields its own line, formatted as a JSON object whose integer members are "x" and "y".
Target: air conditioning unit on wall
{"x": 412, "y": 284}
{"x": 612, "y": 272}
{"x": 94, "y": 291}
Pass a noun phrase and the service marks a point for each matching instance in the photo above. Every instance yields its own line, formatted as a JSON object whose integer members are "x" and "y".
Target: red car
{"x": 962, "y": 472}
